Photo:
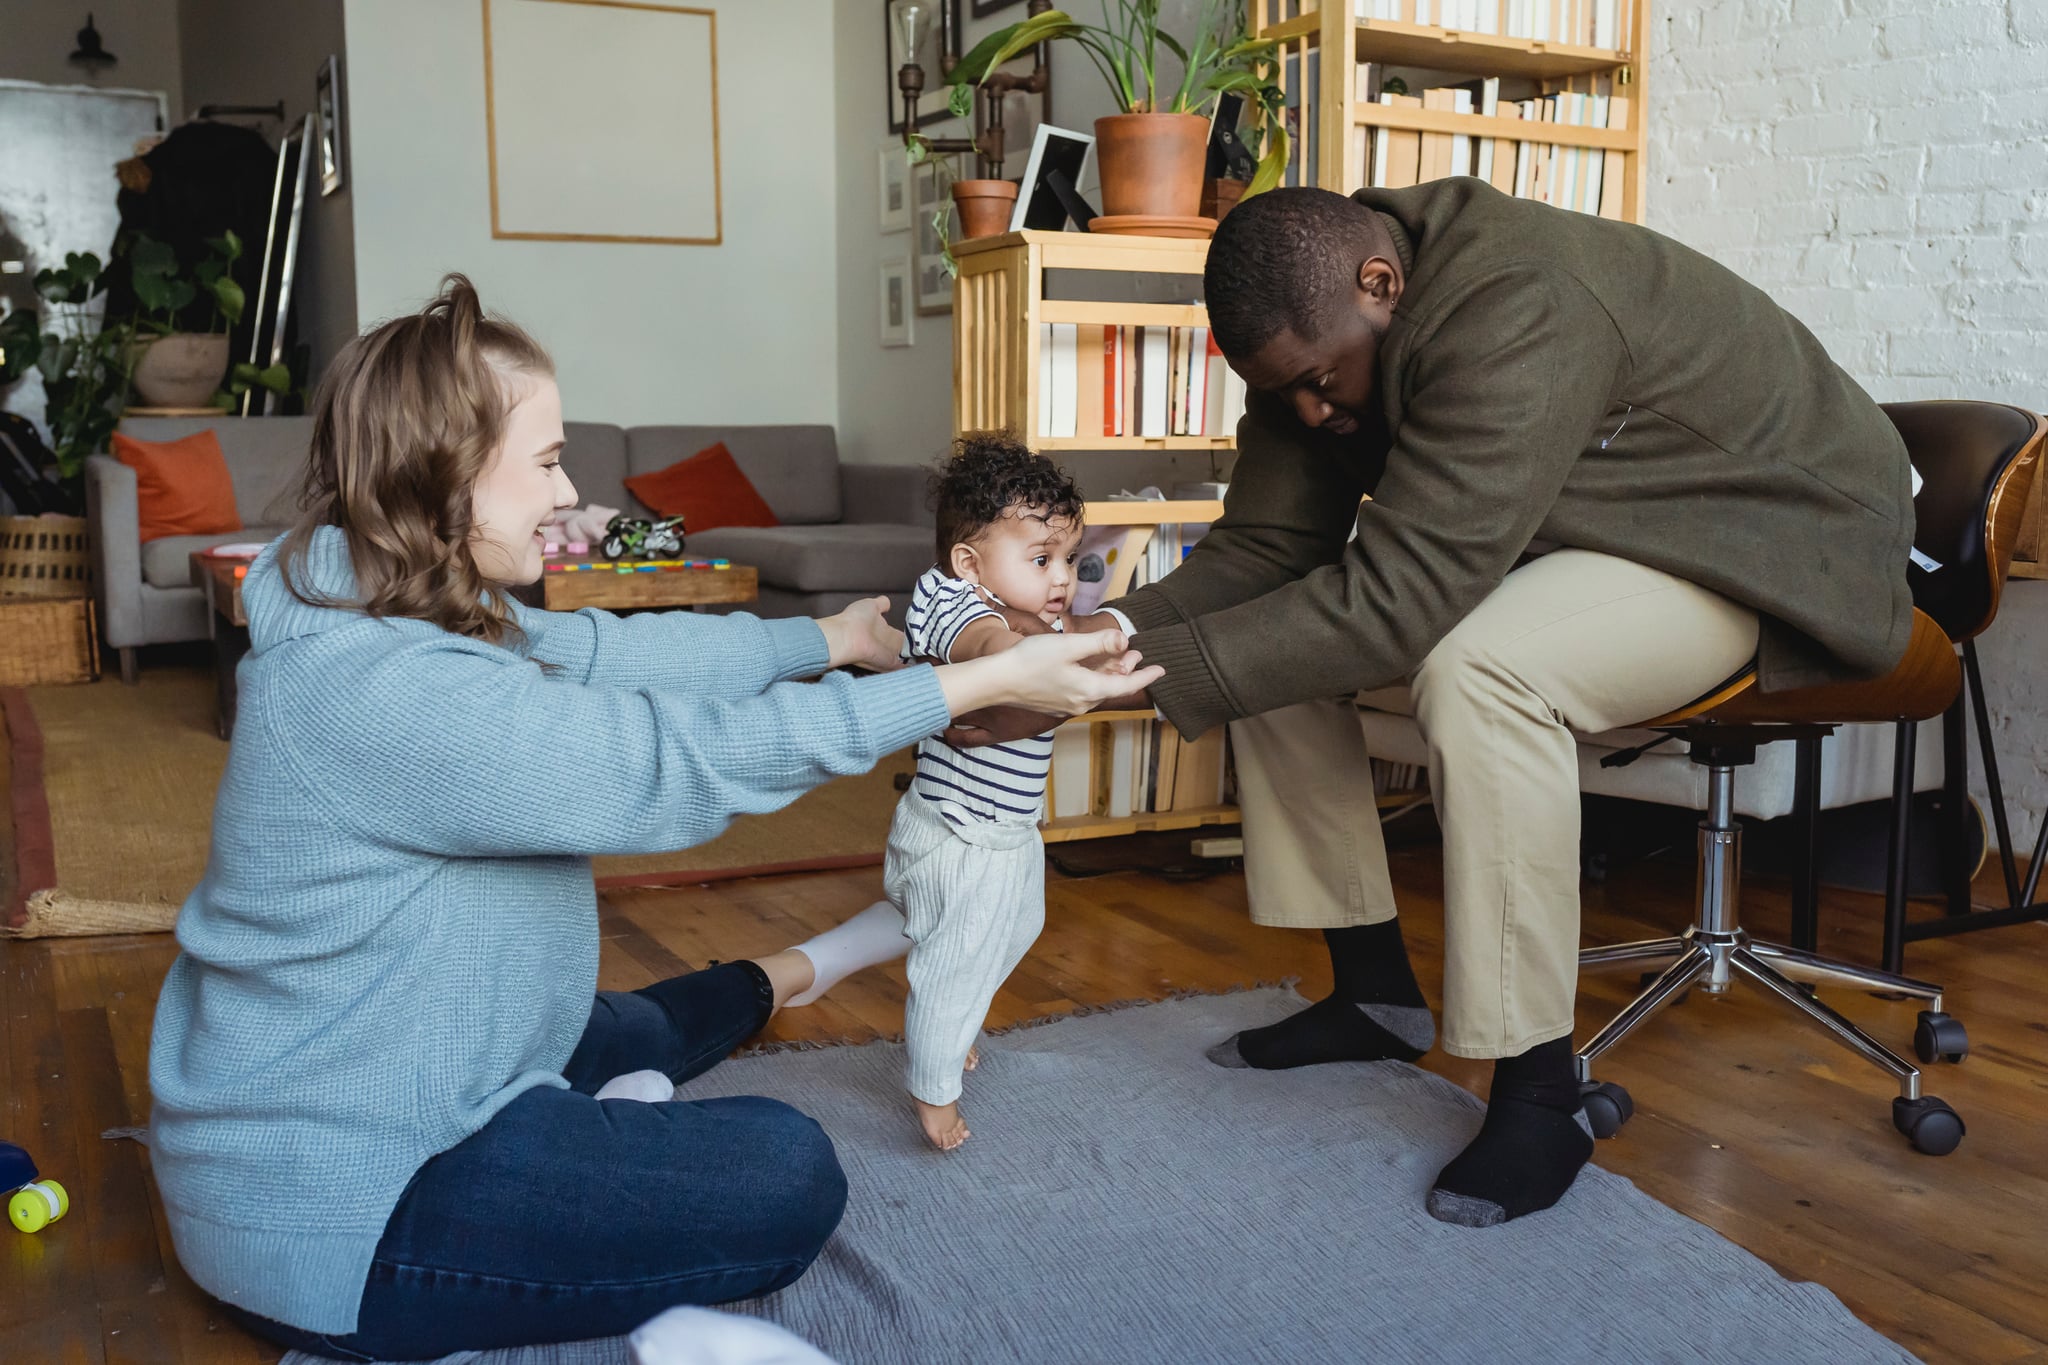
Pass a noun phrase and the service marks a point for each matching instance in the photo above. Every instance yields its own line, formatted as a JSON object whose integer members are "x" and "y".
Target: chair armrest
{"x": 887, "y": 493}
{"x": 112, "y": 514}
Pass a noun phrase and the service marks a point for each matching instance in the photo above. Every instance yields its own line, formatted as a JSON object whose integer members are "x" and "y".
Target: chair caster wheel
{"x": 1940, "y": 1038}
{"x": 1607, "y": 1107}
{"x": 1929, "y": 1124}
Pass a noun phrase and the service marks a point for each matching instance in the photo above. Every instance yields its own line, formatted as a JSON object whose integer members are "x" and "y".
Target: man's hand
{"x": 860, "y": 637}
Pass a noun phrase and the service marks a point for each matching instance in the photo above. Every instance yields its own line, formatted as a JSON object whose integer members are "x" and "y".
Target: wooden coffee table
{"x": 221, "y": 580}
{"x": 571, "y": 582}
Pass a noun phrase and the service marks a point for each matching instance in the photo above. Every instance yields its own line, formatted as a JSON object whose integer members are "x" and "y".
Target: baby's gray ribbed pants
{"x": 973, "y": 901}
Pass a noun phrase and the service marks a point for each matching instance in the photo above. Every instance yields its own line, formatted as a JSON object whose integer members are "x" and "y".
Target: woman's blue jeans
{"x": 568, "y": 1217}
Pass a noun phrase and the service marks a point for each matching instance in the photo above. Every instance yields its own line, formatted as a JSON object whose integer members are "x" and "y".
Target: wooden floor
{"x": 1744, "y": 1121}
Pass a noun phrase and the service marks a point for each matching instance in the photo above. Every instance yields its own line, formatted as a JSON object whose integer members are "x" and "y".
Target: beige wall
{"x": 740, "y": 332}
{"x": 238, "y": 52}
{"x": 37, "y": 35}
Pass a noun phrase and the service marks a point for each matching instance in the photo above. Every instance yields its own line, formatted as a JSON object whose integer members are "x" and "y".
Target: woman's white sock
{"x": 648, "y": 1087}
{"x": 872, "y": 937}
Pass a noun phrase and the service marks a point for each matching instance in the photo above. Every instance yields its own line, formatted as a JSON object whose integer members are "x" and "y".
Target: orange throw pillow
{"x": 707, "y": 491}
{"x": 182, "y": 487}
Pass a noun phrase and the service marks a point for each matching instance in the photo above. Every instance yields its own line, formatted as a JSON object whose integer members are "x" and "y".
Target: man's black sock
{"x": 1528, "y": 1151}
{"x": 1375, "y": 1012}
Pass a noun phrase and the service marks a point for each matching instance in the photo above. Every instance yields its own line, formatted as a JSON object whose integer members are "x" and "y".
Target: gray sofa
{"x": 848, "y": 531}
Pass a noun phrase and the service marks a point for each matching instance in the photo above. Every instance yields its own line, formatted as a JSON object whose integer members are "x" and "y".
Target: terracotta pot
{"x": 1152, "y": 163}
{"x": 182, "y": 370}
{"x": 1219, "y": 197}
{"x": 984, "y": 206}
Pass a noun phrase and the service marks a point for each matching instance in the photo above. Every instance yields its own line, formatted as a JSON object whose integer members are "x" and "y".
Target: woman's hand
{"x": 1060, "y": 675}
{"x": 859, "y": 637}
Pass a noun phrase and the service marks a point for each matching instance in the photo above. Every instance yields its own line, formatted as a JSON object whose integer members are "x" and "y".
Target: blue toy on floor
{"x": 32, "y": 1204}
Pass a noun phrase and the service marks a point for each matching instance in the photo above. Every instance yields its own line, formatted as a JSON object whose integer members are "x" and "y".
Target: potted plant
{"x": 1151, "y": 154}
{"x": 84, "y": 365}
{"x": 175, "y": 369}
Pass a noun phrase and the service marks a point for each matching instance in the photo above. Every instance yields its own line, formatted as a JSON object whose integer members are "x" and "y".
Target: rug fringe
{"x": 1037, "y": 1021}
{"x": 53, "y": 914}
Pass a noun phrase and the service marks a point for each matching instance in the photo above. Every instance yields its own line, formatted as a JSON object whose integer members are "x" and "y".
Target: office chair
{"x": 1978, "y": 462}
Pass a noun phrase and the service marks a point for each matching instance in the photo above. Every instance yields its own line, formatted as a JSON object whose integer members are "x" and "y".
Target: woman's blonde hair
{"x": 406, "y": 421}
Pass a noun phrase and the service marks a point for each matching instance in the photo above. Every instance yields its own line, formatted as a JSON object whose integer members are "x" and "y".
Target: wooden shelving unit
{"x": 1331, "y": 35}
{"x": 998, "y": 303}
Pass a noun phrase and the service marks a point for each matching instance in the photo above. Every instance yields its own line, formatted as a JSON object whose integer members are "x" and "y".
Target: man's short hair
{"x": 1283, "y": 260}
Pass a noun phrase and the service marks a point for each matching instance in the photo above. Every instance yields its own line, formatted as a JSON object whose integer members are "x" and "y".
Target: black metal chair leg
{"x": 1955, "y": 803}
{"x": 1806, "y": 805}
{"x": 1907, "y": 734}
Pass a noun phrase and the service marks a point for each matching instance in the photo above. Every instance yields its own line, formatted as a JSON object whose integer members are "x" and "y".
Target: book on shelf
{"x": 1581, "y": 23}
{"x": 1114, "y": 381}
{"x": 1582, "y": 179}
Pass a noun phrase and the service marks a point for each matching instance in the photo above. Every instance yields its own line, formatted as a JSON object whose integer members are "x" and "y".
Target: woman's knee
{"x": 804, "y": 1190}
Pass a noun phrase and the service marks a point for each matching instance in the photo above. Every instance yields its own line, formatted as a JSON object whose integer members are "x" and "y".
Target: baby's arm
{"x": 987, "y": 635}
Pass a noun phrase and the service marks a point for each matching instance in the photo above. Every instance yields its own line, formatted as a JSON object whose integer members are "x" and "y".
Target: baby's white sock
{"x": 648, "y": 1087}
{"x": 872, "y": 937}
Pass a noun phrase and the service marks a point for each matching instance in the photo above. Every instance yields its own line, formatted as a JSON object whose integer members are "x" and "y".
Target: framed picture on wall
{"x": 327, "y": 115}
{"x": 893, "y": 187}
{"x": 899, "y": 309}
{"x": 933, "y": 194}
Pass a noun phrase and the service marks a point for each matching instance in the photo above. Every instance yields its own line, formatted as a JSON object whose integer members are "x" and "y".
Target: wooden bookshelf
{"x": 999, "y": 303}
{"x": 1331, "y": 36}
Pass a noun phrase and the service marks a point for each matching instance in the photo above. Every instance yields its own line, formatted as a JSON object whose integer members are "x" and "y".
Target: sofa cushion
{"x": 182, "y": 487}
{"x": 707, "y": 491}
{"x": 796, "y": 468}
{"x": 167, "y": 563}
{"x": 594, "y": 457}
{"x": 266, "y": 457}
{"x": 870, "y": 558}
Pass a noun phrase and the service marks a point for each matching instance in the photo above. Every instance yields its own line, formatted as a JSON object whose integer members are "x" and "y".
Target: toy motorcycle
{"x": 638, "y": 538}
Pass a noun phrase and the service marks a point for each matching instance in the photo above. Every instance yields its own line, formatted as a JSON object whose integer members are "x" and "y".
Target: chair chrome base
{"x": 1716, "y": 950}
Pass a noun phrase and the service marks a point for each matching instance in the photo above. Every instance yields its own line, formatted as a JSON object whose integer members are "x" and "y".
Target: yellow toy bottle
{"x": 37, "y": 1204}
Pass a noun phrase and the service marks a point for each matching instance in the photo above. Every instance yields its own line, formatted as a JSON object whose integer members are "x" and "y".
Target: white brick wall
{"x": 1880, "y": 167}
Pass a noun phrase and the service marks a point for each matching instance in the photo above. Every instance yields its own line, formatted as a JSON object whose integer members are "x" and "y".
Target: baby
{"x": 965, "y": 864}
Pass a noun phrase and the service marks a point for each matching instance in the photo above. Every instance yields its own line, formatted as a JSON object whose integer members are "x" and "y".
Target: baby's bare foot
{"x": 943, "y": 1125}
{"x": 973, "y": 1059}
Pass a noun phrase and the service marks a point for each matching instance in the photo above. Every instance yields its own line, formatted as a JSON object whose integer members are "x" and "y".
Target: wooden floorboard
{"x": 1746, "y": 1120}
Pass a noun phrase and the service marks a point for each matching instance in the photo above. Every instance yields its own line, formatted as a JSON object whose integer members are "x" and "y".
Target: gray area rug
{"x": 1124, "y": 1200}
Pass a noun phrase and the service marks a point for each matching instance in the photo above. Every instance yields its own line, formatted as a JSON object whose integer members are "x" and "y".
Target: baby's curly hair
{"x": 988, "y": 473}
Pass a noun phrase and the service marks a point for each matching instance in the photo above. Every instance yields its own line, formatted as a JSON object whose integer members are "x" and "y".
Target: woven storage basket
{"x": 47, "y": 640}
{"x": 44, "y": 557}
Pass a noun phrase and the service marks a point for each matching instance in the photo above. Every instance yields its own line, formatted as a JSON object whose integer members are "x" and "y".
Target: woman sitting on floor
{"x": 377, "y": 1065}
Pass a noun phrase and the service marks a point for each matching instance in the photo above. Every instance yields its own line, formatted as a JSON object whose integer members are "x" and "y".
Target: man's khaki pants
{"x": 1573, "y": 641}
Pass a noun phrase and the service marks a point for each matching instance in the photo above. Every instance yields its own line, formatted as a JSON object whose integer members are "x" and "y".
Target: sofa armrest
{"x": 886, "y": 493}
{"x": 112, "y": 514}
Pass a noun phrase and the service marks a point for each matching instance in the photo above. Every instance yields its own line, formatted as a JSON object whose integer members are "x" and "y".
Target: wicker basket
{"x": 51, "y": 640}
{"x": 44, "y": 557}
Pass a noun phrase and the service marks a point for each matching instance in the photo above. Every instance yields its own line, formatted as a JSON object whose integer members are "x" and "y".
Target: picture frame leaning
{"x": 327, "y": 117}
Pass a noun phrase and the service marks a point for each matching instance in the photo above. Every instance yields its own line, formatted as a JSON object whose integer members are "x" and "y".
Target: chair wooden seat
{"x": 1920, "y": 686}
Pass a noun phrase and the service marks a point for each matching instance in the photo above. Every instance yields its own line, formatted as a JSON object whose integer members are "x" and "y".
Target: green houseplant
{"x": 84, "y": 365}
{"x": 1151, "y": 153}
{"x": 174, "y": 368}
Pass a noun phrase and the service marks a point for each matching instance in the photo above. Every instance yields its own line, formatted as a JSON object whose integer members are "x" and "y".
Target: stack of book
{"x": 1578, "y": 23}
{"x": 1584, "y": 179}
{"x": 1133, "y": 381}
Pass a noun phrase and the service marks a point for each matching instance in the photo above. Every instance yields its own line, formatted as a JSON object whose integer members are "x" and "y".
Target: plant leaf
{"x": 992, "y": 51}
{"x": 1272, "y": 165}
{"x": 229, "y": 297}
